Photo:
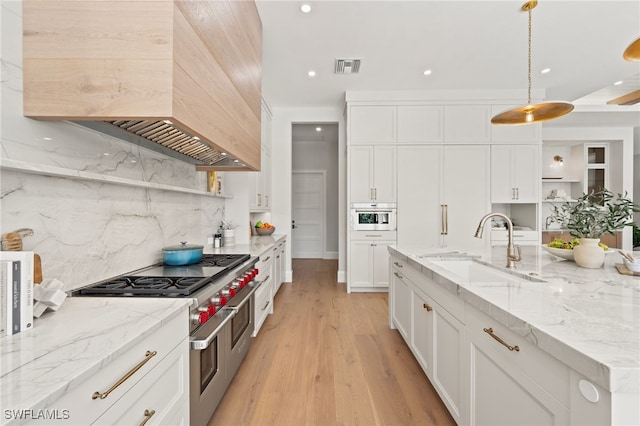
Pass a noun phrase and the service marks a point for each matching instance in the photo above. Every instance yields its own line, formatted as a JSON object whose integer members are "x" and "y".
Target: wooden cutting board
{"x": 626, "y": 271}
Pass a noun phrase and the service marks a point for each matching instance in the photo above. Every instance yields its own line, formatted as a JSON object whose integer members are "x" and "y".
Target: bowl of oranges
{"x": 264, "y": 228}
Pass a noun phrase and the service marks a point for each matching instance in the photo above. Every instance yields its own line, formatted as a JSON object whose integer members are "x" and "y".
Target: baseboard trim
{"x": 330, "y": 255}
{"x": 342, "y": 277}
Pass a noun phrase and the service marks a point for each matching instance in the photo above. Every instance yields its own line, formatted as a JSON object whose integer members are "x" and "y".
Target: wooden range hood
{"x": 186, "y": 72}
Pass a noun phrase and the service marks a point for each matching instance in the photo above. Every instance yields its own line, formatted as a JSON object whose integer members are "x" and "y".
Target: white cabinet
{"x": 515, "y": 173}
{"x": 368, "y": 261}
{"x": 530, "y": 133}
{"x": 260, "y": 182}
{"x": 372, "y": 173}
{"x": 420, "y": 124}
{"x": 163, "y": 358}
{"x": 443, "y": 192}
{"x": 263, "y": 305}
{"x": 467, "y": 123}
{"x": 509, "y": 386}
{"x": 279, "y": 266}
{"x": 371, "y": 124}
{"x": 434, "y": 334}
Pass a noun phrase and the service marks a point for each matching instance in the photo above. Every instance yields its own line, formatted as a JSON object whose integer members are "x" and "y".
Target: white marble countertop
{"x": 66, "y": 347}
{"x": 587, "y": 318}
{"x": 256, "y": 246}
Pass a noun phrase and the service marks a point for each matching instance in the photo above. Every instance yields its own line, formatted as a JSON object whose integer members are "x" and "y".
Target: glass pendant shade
{"x": 632, "y": 53}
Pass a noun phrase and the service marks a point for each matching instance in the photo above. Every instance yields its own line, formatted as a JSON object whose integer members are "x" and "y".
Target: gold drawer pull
{"x": 489, "y": 331}
{"x": 427, "y": 307}
{"x": 399, "y": 265}
{"x": 397, "y": 275}
{"x": 147, "y": 415}
{"x": 148, "y": 356}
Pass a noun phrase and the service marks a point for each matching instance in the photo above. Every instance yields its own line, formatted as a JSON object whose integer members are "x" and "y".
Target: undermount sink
{"x": 471, "y": 271}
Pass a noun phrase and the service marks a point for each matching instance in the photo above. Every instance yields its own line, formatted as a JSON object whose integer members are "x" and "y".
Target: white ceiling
{"x": 468, "y": 45}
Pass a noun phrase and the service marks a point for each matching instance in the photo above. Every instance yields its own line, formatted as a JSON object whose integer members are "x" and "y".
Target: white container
{"x": 632, "y": 266}
{"x": 229, "y": 237}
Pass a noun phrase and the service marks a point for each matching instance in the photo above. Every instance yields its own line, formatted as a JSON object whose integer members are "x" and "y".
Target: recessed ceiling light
{"x": 305, "y": 8}
{"x": 318, "y": 129}
{"x": 545, "y": 70}
{"x": 427, "y": 72}
{"x": 311, "y": 73}
{"x": 618, "y": 83}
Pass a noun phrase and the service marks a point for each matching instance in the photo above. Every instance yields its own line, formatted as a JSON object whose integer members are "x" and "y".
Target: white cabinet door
{"x": 530, "y": 133}
{"x": 467, "y": 123}
{"x": 419, "y": 194}
{"x": 360, "y": 264}
{"x": 372, "y": 174}
{"x": 448, "y": 352}
{"x": 422, "y": 331}
{"x": 384, "y": 174}
{"x": 372, "y": 125}
{"x": 420, "y": 124}
{"x": 466, "y": 194}
{"x": 501, "y": 394}
{"x": 515, "y": 173}
{"x": 401, "y": 303}
{"x": 361, "y": 173}
{"x": 380, "y": 255}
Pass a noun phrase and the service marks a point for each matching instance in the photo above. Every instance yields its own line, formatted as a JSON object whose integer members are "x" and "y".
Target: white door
{"x": 308, "y": 205}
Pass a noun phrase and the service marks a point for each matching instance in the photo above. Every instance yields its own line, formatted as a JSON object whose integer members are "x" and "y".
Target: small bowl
{"x": 265, "y": 231}
{"x": 632, "y": 266}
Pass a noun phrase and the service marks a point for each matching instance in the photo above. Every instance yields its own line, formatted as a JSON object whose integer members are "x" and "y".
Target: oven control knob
{"x": 220, "y": 300}
{"x": 200, "y": 318}
{"x": 232, "y": 291}
{"x": 255, "y": 272}
{"x": 211, "y": 310}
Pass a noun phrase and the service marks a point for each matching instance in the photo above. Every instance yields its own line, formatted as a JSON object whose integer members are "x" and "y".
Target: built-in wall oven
{"x": 373, "y": 216}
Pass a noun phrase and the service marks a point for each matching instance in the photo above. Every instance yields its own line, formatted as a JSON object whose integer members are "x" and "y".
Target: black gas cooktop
{"x": 161, "y": 280}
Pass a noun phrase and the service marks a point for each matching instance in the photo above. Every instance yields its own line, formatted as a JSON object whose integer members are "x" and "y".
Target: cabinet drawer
{"x": 263, "y": 305}
{"x": 85, "y": 410}
{"x": 374, "y": 235}
{"x": 519, "y": 237}
{"x": 265, "y": 266}
{"x": 548, "y": 372}
{"x": 160, "y": 391}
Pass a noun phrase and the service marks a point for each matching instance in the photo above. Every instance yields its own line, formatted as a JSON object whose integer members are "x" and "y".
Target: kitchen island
{"x": 565, "y": 338}
{"x": 49, "y": 373}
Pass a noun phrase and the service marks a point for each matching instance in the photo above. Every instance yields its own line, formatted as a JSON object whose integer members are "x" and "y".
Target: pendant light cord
{"x": 529, "y": 60}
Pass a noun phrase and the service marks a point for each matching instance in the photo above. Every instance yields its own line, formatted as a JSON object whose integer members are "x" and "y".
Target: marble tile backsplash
{"x": 86, "y": 231}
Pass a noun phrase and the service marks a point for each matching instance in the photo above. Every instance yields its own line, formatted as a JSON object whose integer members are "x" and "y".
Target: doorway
{"x": 314, "y": 191}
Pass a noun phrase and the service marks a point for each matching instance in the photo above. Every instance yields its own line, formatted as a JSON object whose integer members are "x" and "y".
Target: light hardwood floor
{"x": 326, "y": 357}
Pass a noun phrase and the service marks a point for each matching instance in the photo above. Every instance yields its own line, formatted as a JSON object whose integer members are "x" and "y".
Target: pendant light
{"x": 532, "y": 113}
{"x": 632, "y": 53}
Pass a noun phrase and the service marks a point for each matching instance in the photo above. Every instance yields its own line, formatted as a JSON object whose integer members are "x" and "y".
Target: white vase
{"x": 588, "y": 254}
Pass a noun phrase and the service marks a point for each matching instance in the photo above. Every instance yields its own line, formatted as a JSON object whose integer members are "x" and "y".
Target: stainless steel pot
{"x": 184, "y": 254}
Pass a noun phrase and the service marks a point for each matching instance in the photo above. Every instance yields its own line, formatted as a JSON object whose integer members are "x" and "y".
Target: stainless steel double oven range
{"x": 221, "y": 318}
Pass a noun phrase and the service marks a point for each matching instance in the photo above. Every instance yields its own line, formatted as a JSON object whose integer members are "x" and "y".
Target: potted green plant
{"x": 591, "y": 216}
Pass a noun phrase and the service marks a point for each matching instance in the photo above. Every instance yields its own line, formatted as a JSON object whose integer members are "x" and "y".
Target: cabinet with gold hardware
{"x": 263, "y": 305}
{"x": 512, "y": 381}
{"x": 131, "y": 387}
{"x": 432, "y": 323}
{"x": 372, "y": 173}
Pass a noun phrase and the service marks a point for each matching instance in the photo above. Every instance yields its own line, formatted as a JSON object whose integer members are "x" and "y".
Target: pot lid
{"x": 183, "y": 246}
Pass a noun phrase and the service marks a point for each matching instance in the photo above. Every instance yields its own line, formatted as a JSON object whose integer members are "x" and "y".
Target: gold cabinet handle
{"x": 398, "y": 275}
{"x": 489, "y": 331}
{"x": 427, "y": 307}
{"x": 148, "y": 355}
{"x": 399, "y": 265}
{"x": 445, "y": 219}
{"x": 147, "y": 415}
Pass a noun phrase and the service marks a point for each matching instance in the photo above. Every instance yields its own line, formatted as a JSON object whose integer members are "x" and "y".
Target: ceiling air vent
{"x": 347, "y": 66}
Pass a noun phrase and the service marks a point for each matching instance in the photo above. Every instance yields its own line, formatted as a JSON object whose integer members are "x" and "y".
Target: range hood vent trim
{"x": 164, "y": 137}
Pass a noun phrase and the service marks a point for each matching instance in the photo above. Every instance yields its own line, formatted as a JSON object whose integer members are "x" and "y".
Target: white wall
{"x": 283, "y": 119}
{"x": 87, "y": 230}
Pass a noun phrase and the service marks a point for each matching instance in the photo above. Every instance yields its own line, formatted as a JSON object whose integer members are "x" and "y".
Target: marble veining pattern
{"x": 587, "y": 318}
{"x": 86, "y": 231}
{"x": 67, "y": 347}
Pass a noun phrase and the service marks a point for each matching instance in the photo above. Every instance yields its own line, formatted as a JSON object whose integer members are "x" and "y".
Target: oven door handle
{"x": 200, "y": 344}
{"x": 237, "y": 307}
